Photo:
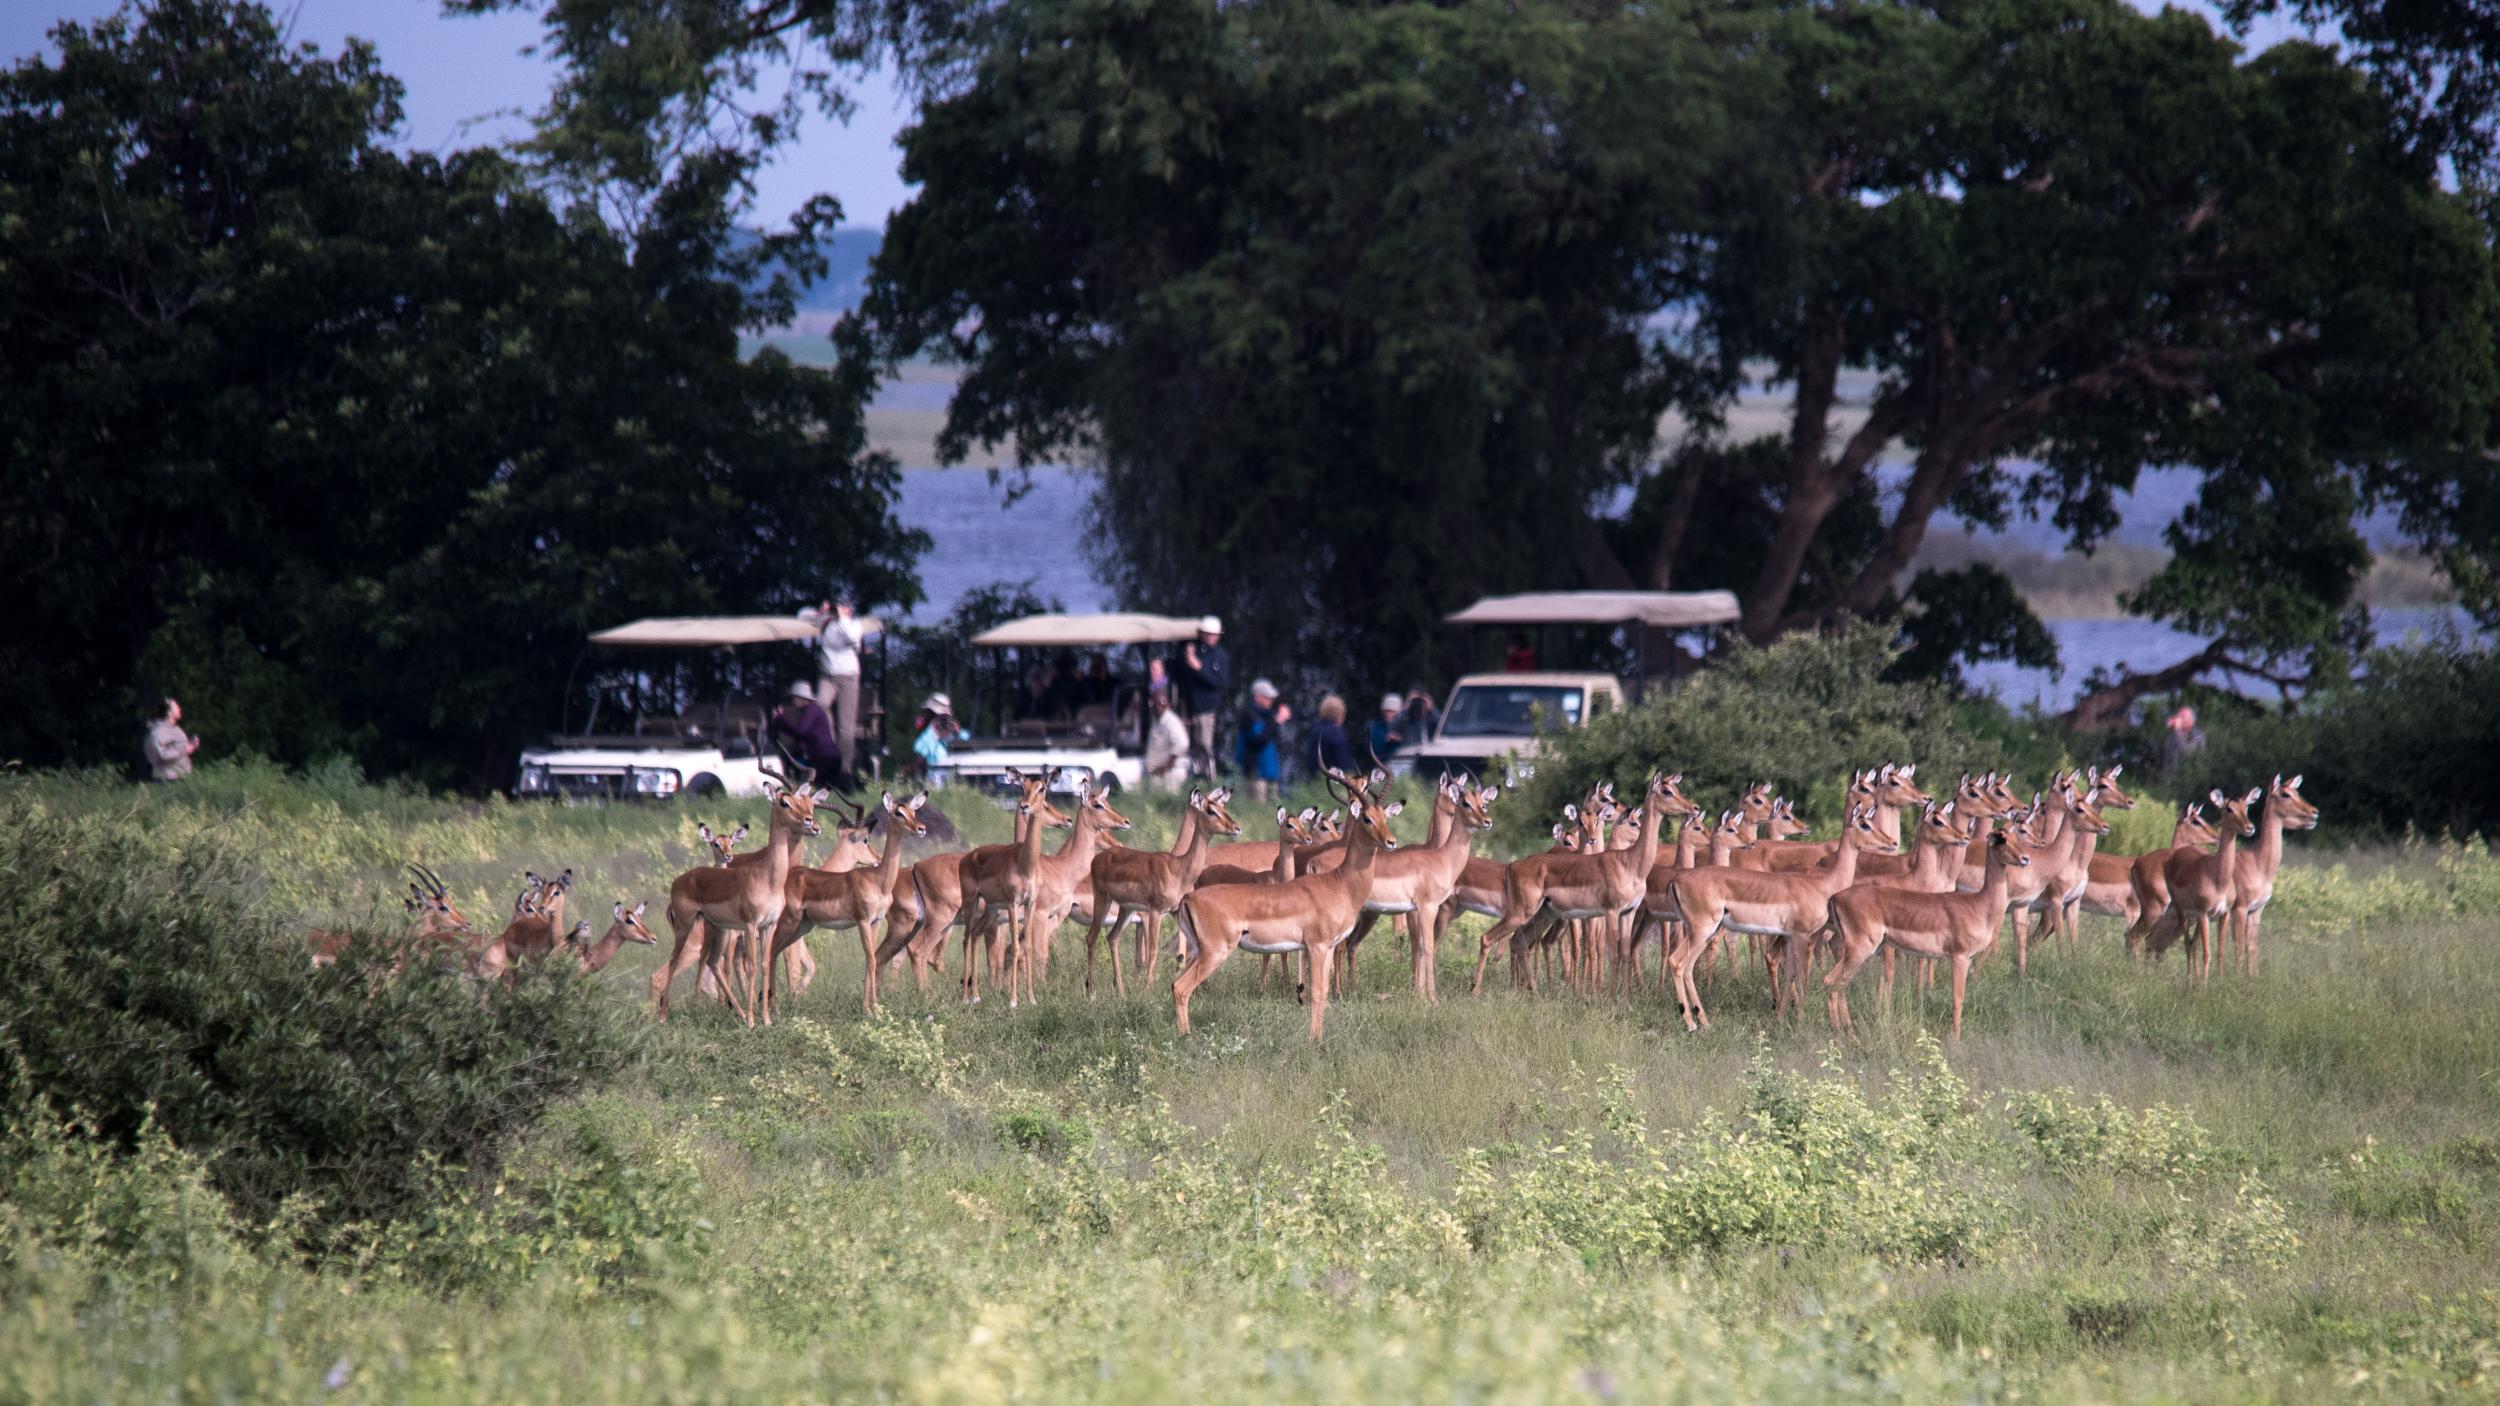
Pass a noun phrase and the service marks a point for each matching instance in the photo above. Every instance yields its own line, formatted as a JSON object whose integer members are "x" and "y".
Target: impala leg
{"x": 1320, "y": 968}
{"x": 1961, "y": 979}
{"x": 2248, "y": 922}
{"x": 1497, "y": 935}
{"x": 688, "y": 931}
{"x": 1212, "y": 950}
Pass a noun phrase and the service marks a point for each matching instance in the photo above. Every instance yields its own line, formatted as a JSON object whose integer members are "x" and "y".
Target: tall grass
{"x": 2116, "y": 1187}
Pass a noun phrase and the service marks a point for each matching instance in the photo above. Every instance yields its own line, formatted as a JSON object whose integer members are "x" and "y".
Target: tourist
{"x": 1205, "y": 672}
{"x": 169, "y": 748}
{"x": 1167, "y": 743}
{"x": 839, "y": 632}
{"x": 1258, "y": 738}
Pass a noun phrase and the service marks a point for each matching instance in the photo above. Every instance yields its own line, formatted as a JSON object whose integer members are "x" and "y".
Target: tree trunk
{"x": 1678, "y": 520}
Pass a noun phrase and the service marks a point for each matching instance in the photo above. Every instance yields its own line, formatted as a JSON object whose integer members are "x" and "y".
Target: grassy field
{"x": 2114, "y": 1188}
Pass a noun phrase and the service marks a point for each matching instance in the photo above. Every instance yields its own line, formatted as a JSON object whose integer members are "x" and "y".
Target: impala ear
{"x": 639, "y": 907}
{"x": 1570, "y": 811}
{"x": 2295, "y": 785}
{"x": 1909, "y": 771}
{"x": 1280, "y": 815}
{"x": 2253, "y": 794}
{"x": 2112, "y": 773}
{"x": 620, "y": 912}
{"x": 1489, "y": 795}
{"x": 2216, "y": 797}
{"x": 1394, "y": 809}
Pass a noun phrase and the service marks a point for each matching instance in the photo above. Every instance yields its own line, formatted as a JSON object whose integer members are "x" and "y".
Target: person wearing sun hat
{"x": 1205, "y": 674}
{"x": 937, "y": 725}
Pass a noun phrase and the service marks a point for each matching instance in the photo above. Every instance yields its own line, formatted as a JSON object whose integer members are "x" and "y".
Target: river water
{"x": 975, "y": 540}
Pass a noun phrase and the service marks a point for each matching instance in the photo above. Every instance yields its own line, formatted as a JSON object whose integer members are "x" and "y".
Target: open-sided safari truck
{"x": 1100, "y": 741}
{"x": 1498, "y": 713}
{"x": 678, "y": 706}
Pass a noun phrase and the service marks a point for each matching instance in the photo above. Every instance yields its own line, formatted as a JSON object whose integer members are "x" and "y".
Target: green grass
{"x": 2292, "y": 1189}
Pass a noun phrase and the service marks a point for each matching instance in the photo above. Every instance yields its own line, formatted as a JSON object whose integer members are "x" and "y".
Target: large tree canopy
{"x": 348, "y": 448}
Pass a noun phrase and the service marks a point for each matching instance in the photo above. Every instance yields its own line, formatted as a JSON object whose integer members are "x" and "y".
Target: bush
{"x": 1800, "y": 714}
{"x": 2073, "y": 1136}
{"x": 144, "y": 986}
{"x": 2381, "y": 754}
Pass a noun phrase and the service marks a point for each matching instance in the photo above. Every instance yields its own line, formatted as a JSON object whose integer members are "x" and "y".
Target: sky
{"x": 469, "y": 84}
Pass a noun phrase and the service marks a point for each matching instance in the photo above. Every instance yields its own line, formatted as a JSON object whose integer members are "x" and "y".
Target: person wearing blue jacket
{"x": 1330, "y": 745}
{"x": 1261, "y": 732}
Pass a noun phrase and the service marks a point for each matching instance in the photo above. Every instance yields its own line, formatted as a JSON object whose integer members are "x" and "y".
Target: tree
{"x": 1346, "y": 304}
{"x": 349, "y": 449}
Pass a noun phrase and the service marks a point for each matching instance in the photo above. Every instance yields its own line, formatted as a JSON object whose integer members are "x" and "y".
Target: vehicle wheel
{"x": 705, "y": 785}
{"x": 1110, "y": 785}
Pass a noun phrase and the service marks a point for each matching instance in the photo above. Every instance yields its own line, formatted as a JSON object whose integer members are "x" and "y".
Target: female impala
{"x": 1953, "y": 927}
{"x": 1607, "y": 887}
{"x": 2252, "y": 886}
{"x": 1145, "y": 884}
{"x": 850, "y": 898}
{"x": 1309, "y": 915}
{"x": 1883, "y": 793}
{"x": 932, "y": 900}
{"x": 1786, "y": 908}
{"x": 1028, "y": 890}
{"x": 1698, "y": 846}
{"x": 2109, "y": 889}
{"x": 2204, "y": 887}
{"x": 1414, "y": 883}
{"x": 745, "y": 900}
{"x": 626, "y": 927}
{"x": 2148, "y": 878}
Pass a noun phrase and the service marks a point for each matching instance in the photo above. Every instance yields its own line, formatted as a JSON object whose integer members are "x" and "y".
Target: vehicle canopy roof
{"x": 714, "y": 631}
{"x": 1075, "y": 631}
{"x": 1673, "y": 610}
{"x": 1538, "y": 678}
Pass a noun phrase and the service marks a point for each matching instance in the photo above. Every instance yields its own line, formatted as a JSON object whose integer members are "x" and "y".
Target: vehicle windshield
{"x": 1502, "y": 710}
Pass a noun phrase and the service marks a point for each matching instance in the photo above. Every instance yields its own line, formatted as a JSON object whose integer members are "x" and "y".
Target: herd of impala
{"x": 1908, "y": 875}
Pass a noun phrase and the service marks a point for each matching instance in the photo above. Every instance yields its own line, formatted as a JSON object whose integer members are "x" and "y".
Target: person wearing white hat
{"x": 1205, "y": 673}
{"x": 1387, "y": 735}
{"x": 937, "y": 725}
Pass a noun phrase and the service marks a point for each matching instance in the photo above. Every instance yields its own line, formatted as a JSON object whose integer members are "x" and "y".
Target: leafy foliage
{"x": 2381, "y": 753}
{"x": 348, "y": 447}
{"x": 160, "y": 1000}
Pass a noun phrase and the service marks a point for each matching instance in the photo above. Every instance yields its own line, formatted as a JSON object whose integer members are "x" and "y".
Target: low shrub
{"x": 2071, "y": 1135}
{"x": 148, "y": 990}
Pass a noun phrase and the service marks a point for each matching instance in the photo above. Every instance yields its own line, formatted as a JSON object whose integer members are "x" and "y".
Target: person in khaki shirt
{"x": 1167, "y": 744}
{"x": 169, "y": 748}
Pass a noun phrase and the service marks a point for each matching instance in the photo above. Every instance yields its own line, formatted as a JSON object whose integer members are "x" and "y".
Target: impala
{"x": 1414, "y": 883}
{"x": 626, "y": 927}
{"x": 1953, "y": 927}
{"x": 848, "y": 898}
{"x": 1784, "y": 826}
{"x": 2204, "y": 887}
{"x": 714, "y": 902}
{"x": 432, "y": 918}
{"x": 1604, "y": 886}
{"x": 1697, "y": 846}
{"x": 851, "y": 849}
{"x": 933, "y": 900}
{"x": 1029, "y": 891}
{"x": 1309, "y": 915}
{"x": 2071, "y": 885}
{"x": 2253, "y": 882}
{"x": 1786, "y": 908}
{"x": 1883, "y": 793}
{"x": 1146, "y": 884}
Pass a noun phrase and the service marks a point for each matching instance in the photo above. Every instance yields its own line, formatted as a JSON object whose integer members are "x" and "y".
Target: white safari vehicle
{"x": 701, "y": 748}
{"x": 1494, "y": 715}
{"x": 1101, "y": 742}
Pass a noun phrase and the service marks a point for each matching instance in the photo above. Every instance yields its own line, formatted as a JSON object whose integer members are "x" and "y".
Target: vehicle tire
{"x": 1109, "y": 783}
{"x": 705, "y": 784}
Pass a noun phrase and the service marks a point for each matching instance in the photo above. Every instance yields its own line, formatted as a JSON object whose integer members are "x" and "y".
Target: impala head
{"x": 429, "y": 903}
{"x": 2105, "y": 791}
{"x": 1330, "y": 826}
{"x": 794, "y": 805}
{"x": 1475, "y": 804}
{"x": 1096, "y": 802}
{"x": 531, "y": 900}
{"x": 2193, "y": 828}
{"x": 1216, "y": 808}
{"x": 904, "y": 815}
{"x": 2003, "y": 855}
{"x": 1898, "y": 786}
{"x": 1667, "y": 793}
{"x": 851, "y": 847}
{"x": 1936, "y": 826}
{"x": 1628, "y": 834}
{"x": 628, "y": 925}
{"x": 2231, "y": 816}
{"x": 2086, "y": 816}
{"x": 722, "y": 846}
{"x": 1303, "y": 829}
{"x": 1784, "y": 824}
{"x": 1366, "y": 812}
{"x": 1862, "y": 831}
{"x": 2297, "y": 813}
{"x": 550, "y": 892}
{"x": 2001, "y": 791}
{"x": 1729, "y": 834}
{"x": 1757, "y": 803}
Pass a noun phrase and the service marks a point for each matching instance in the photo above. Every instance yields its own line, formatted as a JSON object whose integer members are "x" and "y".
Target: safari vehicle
{"x": 1100, "y": 742}
{"x": 662, "y": 739}
{"x": 1498, "y": 714}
